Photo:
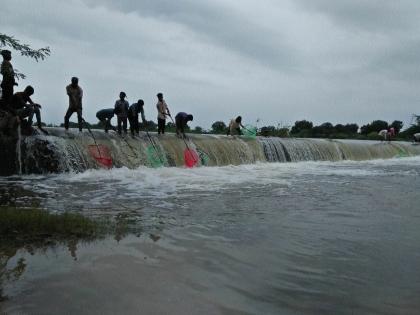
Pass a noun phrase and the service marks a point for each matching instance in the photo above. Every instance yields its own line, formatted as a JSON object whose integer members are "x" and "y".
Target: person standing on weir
{"x": 133, "y": 116}
{"x": 8, "y": 81}
{"x": 75, "y": 93}
{"x": 163, "y": 111}
{"x": 121, "y": 110}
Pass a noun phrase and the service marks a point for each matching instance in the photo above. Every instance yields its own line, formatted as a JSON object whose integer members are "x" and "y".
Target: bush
{"x": 374, "y": 136}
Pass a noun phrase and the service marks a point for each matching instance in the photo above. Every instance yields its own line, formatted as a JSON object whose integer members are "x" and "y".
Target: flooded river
{"x": 269, "y": 238}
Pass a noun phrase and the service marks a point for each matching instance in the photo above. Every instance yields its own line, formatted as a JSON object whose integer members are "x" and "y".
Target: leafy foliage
{"x": 218, "y": 127}
{"x": 301, "y": 126}
{"x": 24, "y": 49}
{"x": 374, "y": 126}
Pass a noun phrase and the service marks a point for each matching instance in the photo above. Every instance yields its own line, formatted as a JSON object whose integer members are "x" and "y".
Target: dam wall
{"x": 64, "y": 151}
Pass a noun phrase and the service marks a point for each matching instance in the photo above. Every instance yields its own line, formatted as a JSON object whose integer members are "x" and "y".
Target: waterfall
{"x": 19, "y": 149}
{"x": 63, "y": 151}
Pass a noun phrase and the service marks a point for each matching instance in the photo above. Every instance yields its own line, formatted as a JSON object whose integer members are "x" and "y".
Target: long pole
{"x": 184, "y": 141}
{"x": 154, "y": 146}
{"x": 91, "y": 133}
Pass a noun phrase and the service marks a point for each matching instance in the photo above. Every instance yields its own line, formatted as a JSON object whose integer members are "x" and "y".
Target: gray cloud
{"x": 340, "y": 61}
{"x": 219, "y": 23}
{"x": 374, "y": 15}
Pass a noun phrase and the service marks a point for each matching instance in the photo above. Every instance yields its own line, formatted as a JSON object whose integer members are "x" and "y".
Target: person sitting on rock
{"x": 181, "y": 120}
{"x": 133, "y": 116}
{"x": 22, "y": 106}
{"x": 234, "y": 126}
{"x": 105, "y": 116}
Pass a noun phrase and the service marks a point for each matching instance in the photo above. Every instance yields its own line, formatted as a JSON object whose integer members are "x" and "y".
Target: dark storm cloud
{"x": 219, "y": 23}
{"x": 338, "y": 61}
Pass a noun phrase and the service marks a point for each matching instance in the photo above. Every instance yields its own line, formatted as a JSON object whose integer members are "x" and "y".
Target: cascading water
{"x": 19, "y": 149}
{"x": 69, "y": 151}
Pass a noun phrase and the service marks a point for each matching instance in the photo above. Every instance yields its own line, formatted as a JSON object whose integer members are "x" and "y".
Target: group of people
{"x": 130, "y": 114}
{"x": 21, "y": 106}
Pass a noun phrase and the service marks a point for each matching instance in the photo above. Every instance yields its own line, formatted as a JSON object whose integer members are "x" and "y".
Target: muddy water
{"x": 291, "y": 238}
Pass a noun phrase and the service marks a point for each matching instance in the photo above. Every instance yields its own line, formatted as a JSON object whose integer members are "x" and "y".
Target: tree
{"x": 374, "y": 126}
{"x": 301, "y": 125}
{"x": 218, "y": 127}
{"x": 397, "y": 125}
{"x": 150, "y": 125}
{"x": 268, "y": 131}
{"x": 198, "y": 129}
{"x": 351, "y": 128}
{"x": 24, "y": 49}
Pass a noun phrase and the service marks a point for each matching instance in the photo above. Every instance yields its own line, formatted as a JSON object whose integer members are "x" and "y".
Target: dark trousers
{"x": 29, "y": 112}
{"x": 107, "y": 124}
{"x": 122, "y": 120}
{"x": 7, "y": 93}
{"x": 180, "y": 124}
{"x": 161, "y": 125}
{"x": 70, "y": 112}
{"x": 134, "y": 124}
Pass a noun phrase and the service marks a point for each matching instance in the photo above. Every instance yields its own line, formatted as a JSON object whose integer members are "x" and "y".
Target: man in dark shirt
{"x": 181, "y": 120}
{"x": 8, "y": 77}
{"x": 105, "y": 116}
{"x": 22, "y": 106}
{"x": 121, "y": 110}
{"x": 75, "y": 93}
{"x": 133, "y": 116}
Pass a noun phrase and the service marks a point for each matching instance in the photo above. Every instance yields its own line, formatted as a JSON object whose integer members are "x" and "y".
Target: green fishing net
{"x": 155, "y": 156}
{"x": 204, "y": 158}
{"x": 249, "y": 131}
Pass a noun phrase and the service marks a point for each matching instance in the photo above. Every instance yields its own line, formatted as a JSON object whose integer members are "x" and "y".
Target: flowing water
{"x": 268, "y": 238}
{"x": 71, "y": 151}
{"x": 19, "y": 149}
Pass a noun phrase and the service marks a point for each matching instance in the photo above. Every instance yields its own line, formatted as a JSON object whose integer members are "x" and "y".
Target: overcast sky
{"x": 277, "y": 60}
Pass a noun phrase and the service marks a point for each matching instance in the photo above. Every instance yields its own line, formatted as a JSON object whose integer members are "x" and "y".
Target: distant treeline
{"x": 306, "y": 129}
{"x": 301, "y": 129}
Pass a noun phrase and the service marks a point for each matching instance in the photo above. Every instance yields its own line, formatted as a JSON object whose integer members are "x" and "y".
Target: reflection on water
{"x": 299, "y": 238}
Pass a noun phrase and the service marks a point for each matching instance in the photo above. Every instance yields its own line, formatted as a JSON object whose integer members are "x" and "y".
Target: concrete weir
{"x": 63, "y": 151}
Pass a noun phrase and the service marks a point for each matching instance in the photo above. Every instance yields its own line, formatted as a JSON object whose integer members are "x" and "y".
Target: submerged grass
{"x": 38, "y": 223}
{"x": 36, "y": 229}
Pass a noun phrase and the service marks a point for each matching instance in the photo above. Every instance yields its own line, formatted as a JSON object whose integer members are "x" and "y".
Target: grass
{"x": 38, "y": 223}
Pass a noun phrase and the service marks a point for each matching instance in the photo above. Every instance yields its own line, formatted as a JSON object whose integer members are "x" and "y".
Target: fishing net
{"x": 204, "y": 158}
{"x": 249, "y": 131}
{"x": 101, "y": 154}
{"x": 155, "y": 156}
{"x": 191, "y": 158}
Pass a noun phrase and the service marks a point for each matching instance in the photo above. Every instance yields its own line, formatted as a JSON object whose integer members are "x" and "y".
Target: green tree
{"x": 397, "y": 125}
{"x": 198, "y": 129}
{"x": 351, "y": 128}
{"x": 218, "y": 127}
{"x": 301, "y": 125}
{"x": 24, "y": 49}
{"x": 374, "y": 126}
{"x": 268, "y": 131}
